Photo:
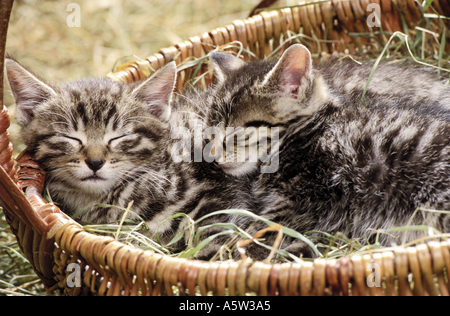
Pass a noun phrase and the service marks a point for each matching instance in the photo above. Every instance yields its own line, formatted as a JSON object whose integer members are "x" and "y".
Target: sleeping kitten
{"x": 104, "y": 142}
{"x": 343, "y": 166}
{"x": 98, "y": 140}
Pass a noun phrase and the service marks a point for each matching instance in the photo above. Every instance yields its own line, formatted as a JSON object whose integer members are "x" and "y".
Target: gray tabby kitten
{"x": 343, "y": 166}
{"x": 104, "y": 142}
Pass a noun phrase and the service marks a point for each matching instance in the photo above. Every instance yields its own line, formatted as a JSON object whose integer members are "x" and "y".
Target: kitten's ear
{"x": 291, "y": 71}
{"x": 27, "y": 89}
{"x": 224, "y": 64}
{"x": 157, "y": 90}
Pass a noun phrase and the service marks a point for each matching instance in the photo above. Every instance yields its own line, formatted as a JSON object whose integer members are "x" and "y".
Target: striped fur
{"x": 344, "y": 167}
{"x": 124, "y": 132}
{"x": 97, "y": 119}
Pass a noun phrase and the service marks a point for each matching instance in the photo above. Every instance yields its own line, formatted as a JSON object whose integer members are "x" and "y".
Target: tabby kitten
{"x": 98, "y": 140}
{"x": 344, "y": 165}
{"x": 105, "y": 142}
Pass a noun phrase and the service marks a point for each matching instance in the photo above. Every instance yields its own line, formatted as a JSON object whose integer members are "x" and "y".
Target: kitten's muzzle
{"x": 94, "y": 177}
{"x": 94, "y": 164}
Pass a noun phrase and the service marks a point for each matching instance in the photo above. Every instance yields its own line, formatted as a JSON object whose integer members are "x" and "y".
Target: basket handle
{"x": 30, "y": 208}
{"x": 33, "y": 211}
{"x": 5, "y": 13}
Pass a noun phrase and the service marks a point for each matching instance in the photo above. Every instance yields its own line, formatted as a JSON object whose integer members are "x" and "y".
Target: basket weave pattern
{"x": 51, "y": 242}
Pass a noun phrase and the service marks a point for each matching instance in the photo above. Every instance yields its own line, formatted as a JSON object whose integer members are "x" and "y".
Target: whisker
{"x": 196, "y": 114}
{"x": 128, "y": 120}
{"x": 200, "y": 97}
{"x": 124, "y": 172}
{"x": 68, "y": 113}
{"x": 119, "y": 117}
{"x": 192, "y": 102}
{"x": 57, "y": 123}
{"x": 64, "y": 117}
{"x": 141, "y": 178}
{"x": 156, "y": 173}
{"x": 144, "y": 117}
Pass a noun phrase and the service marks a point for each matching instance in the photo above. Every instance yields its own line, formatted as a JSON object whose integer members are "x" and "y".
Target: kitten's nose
{"x": 94, "y": 164}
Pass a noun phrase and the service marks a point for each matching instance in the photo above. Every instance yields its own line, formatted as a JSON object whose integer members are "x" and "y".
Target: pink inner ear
{"x": 294, "y": 65}
{"x": 292, "y": 90}
{"x": 291, "y": 81}
{"x": 291, "y": 78}
{"x": 157, "y": 90}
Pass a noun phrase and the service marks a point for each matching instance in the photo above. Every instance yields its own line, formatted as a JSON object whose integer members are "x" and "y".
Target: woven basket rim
{"x": 41, "y": 224}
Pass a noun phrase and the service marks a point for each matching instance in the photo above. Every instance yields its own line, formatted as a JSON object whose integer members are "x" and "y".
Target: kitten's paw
{"x": 301, "y": 250}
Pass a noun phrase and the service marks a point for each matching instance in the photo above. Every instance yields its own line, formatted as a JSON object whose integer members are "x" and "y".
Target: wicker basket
{"x": 51, "y": 242}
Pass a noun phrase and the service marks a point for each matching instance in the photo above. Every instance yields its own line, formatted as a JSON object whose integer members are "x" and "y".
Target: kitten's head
{"x": 90, "y": 134}
{"x": 255, "y": 96}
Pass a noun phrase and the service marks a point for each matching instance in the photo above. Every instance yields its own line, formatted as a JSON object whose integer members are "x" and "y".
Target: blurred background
{"x": 39, "y": 37}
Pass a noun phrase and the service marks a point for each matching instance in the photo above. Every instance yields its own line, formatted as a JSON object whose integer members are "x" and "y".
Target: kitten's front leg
{"x": 294, "y": 246}
{"x": 301, "y": 249}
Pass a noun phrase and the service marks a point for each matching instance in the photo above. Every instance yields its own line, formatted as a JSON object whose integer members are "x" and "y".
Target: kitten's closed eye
{"x": 113, "y": 142}
{"x": 73, "y": 139}
{"x": 100, "y": 141}
{"x": 64, "y": 143}
{"x": 130, "y": 143}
